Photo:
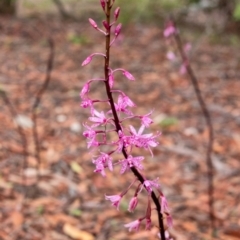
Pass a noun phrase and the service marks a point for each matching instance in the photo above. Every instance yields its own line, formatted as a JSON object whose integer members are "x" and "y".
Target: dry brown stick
{"x": 207, "y": 117}
{"x": 38, "y": 101}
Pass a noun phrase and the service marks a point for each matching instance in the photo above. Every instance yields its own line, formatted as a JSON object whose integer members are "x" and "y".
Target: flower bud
{"x": 128, "y": 75}
{"x": 85, "y": 90}
{"x": 116, "y": 13}
{"x": 105, "y": 24}
{"x": 103, "y": 4}
{"x": 87, "y": 60}
{"x": 132, "y": 204}
{"x": 118, "y": 29}
{"x": 93, "y": 23}
{"x": 111, "y": 80}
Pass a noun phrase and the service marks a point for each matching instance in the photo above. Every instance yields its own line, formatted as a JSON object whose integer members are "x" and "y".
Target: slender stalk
{"x": 117, "y": 122}
{"x": 207, "y": 117}
{"x": 38, "y": 100}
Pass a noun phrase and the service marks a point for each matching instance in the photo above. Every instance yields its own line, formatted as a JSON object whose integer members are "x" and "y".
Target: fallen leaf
{"x": 16, "y": 218}
{"x": 76, "y": 167}
{"x": 75, "y": 233}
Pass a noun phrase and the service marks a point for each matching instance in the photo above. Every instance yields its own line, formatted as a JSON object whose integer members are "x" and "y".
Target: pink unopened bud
{"x": 116, "y": 13}
{"x": 148, "y": 223}
{"x": 105, "y": 24}
{"x": 171, "y": 56}
{"x": 183, "y": 69}
{"x": 118, "y": 29}
{"x": 111, "y": 80}
{"x": 187, "y": 47}
{"x": 169, "y": 30}
{"x": 128, "y": 75}
{"x": 164, "y": 204}
{"x": 93, "y": 23}
{"x": 169, "y": 221}
{"x": 132, "y": 204}
{"x": 103, "y": 4}
{"x": 87, "y": 60}
{"x": 85, "y": 90}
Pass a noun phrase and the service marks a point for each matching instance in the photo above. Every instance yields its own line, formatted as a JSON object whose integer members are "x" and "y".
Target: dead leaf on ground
{"x": 75, "y": 233}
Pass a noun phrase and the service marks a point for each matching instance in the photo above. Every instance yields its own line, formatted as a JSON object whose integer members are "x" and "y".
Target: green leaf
{"x": 75, "y": 212}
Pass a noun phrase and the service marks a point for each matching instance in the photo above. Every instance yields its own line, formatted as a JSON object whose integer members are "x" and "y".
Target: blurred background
{"x": 47, "y": 186}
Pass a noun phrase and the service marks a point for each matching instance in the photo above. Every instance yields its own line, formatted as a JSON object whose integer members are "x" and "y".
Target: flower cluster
{"x": 100, "y": 124}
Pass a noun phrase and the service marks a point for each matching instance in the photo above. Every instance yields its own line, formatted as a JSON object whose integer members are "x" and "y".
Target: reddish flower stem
{"x": 117, "y": 122}
{"x": 38, "y": 98}
{"x": 208, "y": 120}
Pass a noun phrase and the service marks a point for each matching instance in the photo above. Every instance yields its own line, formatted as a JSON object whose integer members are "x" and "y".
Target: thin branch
{"x": 117, "y": 122}
{"x": 208, "y": 120}
{"x": 38, "y": 100}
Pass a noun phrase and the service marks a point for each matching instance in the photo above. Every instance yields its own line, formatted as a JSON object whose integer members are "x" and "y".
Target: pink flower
{"x": 88, "y": 103}
{"x": 90, "y": 134}
{"x": 124, "y": 141}
{"x": 100, "y": 168}
{"x": 128, "y": 101}
{"x": 114, "y": 199}
{"x": 146, "y": 120}
{"x": 139, "y": 133}
{"x": 131, "y": 162}
{"x": 143, "y": 141}
{"x": 102, "y": 162}
{"x": 123, "y": 103}
{"x": 133, "y": 204}
{"x": 150, "y": 184}
{"x": 99, "y": 118}
{"x": 133, "y": 225}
